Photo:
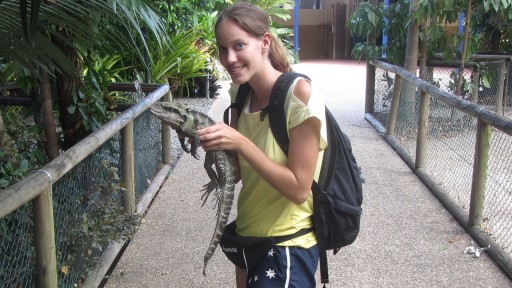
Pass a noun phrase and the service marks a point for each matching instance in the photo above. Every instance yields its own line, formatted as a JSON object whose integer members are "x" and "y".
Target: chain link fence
{"x": 88, "y": 210}
{"x": 451, "y": 137}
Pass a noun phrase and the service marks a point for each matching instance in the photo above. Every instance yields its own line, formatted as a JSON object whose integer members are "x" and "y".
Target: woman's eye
{"x": 239, "y": 46}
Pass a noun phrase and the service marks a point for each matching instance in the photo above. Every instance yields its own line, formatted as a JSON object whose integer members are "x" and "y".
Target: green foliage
{"x": 180, "y": 61}
{"x": 466, "y": 85}
{"x": 490, "y": 18}
{"x": 92, "y": 99}
{"x": 498, "y": 5}
{"x": 22, "y": 151}
{"x": 495, "y": 26}
{"x": 103, "y": 222}
{"x": 183, "y": 15}
{"x": 369, "y": 20}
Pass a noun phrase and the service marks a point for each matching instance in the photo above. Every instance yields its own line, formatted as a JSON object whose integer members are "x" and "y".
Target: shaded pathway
{"x": 408, "y": 239}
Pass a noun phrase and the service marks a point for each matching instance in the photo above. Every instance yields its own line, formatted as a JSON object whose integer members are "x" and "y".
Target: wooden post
{"x": 166, "y": 135}
{"x": 44, "y": 239}
{"x": 369, "y": 106}
{"x": 480, "y": 166}
{"x": 127, "y": 154}
{"x": 421, "y": 142}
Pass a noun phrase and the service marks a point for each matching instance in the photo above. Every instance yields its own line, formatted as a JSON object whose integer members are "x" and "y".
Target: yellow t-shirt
{"x": 262, "y": 210}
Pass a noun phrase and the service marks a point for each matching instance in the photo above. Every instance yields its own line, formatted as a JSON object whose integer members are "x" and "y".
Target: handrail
{"x": 33, "y": 185}
{"x": 486, "y": 119}
{"x": 488, "y": 116}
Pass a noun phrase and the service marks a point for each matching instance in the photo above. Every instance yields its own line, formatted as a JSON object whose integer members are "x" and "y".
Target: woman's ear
{"x": 266, "y": 41}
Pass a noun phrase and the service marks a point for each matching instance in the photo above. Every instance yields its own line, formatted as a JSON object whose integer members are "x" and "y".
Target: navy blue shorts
{"x": 286, "y": 267}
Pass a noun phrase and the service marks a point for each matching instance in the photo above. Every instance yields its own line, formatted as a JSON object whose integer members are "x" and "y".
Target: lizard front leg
{"x": 209, "y": 161}
{"x": 183, "y": 144}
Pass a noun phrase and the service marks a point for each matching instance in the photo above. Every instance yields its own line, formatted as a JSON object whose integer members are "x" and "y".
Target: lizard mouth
{"x": 170, "y": 119}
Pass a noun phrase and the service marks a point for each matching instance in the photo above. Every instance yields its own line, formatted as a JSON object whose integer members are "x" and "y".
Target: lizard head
{"x": 172, "y": 113}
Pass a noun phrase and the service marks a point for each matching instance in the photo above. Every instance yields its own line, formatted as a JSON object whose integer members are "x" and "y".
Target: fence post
{"x": 44, "y": 239}
{"x": 421, "y": 142}
{"x": 166, "y": 135}
{"x": 369, "y": 106}
{"x": 480, "y": 166}
{"x": 127, "y": 154}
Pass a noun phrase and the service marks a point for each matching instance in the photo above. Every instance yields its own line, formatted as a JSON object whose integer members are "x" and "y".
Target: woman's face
{"x": 240, "y": 52}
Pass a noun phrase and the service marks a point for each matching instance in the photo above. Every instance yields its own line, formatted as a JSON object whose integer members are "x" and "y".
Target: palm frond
{"x": 27, "y": 29}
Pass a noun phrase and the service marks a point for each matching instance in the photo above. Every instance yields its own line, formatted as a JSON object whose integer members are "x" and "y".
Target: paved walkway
{"x": 408, "y": 239}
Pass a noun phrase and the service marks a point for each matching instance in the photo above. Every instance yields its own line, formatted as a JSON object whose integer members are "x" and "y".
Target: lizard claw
{"x": 195, "y": 155}
{"x": 208, "y": 189}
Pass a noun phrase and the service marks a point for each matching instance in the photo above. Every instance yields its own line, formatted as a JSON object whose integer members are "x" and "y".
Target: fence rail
{"x": 458, "y": 148}
{"x": 43, "y": 190}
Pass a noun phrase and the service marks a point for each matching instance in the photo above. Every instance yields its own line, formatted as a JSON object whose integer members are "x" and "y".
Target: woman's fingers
{"x": 216, "y": 137}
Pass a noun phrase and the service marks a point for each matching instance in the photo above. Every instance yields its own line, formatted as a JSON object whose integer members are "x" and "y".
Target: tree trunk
{"x": 411, "y": 50}
{"x": 52, "y": 148}
{"x": 423, "y": 54}
{"x": 460, "y": 77}
{"x": 408, "y": 100}
{"x": 72, "y": 126}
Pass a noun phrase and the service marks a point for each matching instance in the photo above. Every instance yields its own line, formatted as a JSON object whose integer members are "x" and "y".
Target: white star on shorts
{"x": 271, "y": 252}
{"x": 271, "y": 274}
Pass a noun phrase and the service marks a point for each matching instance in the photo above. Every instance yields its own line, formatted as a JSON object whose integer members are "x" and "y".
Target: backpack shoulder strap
{"x": 276, "y": 110}
{"x": 241, "y": 97}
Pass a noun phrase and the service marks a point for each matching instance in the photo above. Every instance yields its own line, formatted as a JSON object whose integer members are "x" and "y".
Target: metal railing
{"x": 55, "y": 201}
{"x": 460, "y": 149}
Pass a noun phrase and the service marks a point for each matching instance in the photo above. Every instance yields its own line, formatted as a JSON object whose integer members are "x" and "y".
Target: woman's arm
{"x": 292, "y": 181}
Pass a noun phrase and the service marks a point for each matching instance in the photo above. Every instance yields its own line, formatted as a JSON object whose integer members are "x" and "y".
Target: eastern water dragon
{"x": 222, "y": 179}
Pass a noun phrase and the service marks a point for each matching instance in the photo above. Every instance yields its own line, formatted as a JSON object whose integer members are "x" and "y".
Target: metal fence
{"x": 87, "y": 187}
{"x": 459, "y": 145}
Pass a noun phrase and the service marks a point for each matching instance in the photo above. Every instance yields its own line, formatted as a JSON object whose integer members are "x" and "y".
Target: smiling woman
{"x": 273, "y": 224}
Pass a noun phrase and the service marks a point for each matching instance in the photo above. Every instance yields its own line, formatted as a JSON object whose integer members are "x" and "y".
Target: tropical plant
{"x": 58, "y": 36}
{"x": 371, "y": 19}
{"x": 20, "y": 151}
{"x": 180, "y": 61}
{"x": 29, "y": 30}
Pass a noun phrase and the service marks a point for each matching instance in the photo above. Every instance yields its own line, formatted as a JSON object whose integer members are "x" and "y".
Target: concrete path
{"x": 407, "y": 238}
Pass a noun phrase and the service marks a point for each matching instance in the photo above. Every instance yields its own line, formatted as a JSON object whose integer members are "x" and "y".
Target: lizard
{"x": 223, "y": 179}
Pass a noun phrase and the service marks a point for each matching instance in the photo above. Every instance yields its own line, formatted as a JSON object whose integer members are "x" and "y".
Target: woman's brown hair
{"x": 256, "y": 22}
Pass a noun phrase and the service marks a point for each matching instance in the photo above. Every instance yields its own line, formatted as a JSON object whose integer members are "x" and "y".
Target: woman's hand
{"x": 219, "y": 137}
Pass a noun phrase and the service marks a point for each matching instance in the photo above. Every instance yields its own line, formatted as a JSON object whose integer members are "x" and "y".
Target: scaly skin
{"x": 222, "y": 179}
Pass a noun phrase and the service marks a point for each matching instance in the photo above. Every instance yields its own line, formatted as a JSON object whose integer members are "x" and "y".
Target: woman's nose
{"x": 231, "y": 56}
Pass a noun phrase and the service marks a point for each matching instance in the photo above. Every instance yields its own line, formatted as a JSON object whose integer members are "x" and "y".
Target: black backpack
{"x": 337, "y": 197}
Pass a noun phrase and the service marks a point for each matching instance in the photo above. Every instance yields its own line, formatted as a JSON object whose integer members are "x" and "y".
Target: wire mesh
{"x": 88, "y": 211}
{"x": 17, "y": 249}
{"x": 450, "y": 150}
{"x": 451, "y": 139}
{"x": 148, "y": 150}
{"x": 498, "y": 197}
